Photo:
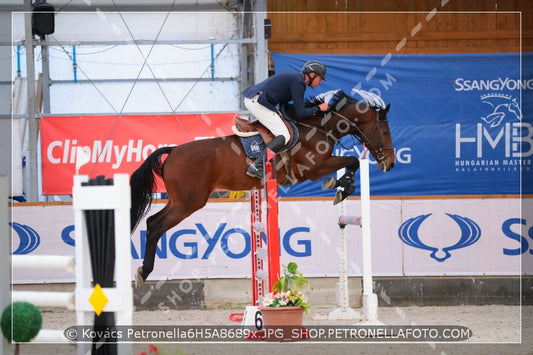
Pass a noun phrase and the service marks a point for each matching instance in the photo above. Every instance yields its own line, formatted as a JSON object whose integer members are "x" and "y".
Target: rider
{"x": 262, "y": 100}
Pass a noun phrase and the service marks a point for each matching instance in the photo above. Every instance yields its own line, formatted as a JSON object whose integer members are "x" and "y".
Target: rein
{"x": 323, "y": 131}
{"x": 360, "y": 135}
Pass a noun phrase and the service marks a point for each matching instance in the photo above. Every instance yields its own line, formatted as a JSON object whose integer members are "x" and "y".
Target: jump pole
{"x": 258, "y": 252}
{"x": 262, "y": 257}
{"x": 370, "y": 300}
{"x": 343, "y": 311}
{"x": 120, "y": 298}
{"x": 271, "y": 188}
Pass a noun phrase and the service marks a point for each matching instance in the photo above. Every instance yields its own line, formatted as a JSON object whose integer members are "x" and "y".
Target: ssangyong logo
{"x": 470, "y": 233}
{"x": 29, "y": 238}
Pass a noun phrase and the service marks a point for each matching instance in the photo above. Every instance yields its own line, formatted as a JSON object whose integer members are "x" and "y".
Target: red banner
{"x": 116, "y": 144}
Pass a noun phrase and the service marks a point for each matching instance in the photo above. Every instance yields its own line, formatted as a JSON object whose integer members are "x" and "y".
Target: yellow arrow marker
{"x": 98, "y": 299}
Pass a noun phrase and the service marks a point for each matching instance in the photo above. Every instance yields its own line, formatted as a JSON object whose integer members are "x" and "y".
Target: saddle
{"x": 245, "y": 128}
{"x": 255, "y": 137}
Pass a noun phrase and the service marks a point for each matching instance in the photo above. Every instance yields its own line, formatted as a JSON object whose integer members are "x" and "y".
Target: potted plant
{"x": 283, "y": 308}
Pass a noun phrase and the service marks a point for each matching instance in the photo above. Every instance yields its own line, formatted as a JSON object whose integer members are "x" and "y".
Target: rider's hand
{"x": 323, "y": 106}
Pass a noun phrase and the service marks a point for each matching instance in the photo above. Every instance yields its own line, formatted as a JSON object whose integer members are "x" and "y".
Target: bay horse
{"x": 192, "y": 171}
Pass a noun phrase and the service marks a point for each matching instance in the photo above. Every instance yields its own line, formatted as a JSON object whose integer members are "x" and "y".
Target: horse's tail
{"x": 142, "y": 184}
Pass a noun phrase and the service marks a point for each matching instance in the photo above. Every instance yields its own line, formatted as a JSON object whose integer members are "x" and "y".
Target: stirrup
{"x": 255, "y": 172}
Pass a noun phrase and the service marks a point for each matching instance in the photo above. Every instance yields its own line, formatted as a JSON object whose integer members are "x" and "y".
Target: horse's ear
{"x": 386, "y": 109}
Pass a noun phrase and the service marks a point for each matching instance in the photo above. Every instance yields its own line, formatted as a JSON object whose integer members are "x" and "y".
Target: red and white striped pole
{"x": 259, "y": 255}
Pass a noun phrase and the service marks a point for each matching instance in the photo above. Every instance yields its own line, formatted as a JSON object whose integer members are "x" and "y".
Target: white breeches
{"x": 267, "y": 117}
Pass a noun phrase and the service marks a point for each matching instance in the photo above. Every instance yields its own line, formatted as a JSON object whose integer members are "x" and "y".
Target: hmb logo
{"x": 501, "y": 107}
{"x": 500, "y": 142}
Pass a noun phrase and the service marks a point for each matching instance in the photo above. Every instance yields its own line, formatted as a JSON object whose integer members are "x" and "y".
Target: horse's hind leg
{"x": 156, "y": 225}
{"x": 153, "y": 234}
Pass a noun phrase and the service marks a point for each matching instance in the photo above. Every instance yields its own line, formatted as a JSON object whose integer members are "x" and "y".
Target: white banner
{"x": 411, "y": 237}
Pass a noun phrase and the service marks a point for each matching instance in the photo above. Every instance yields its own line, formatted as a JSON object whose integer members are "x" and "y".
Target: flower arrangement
{"x": 286, "y": 290}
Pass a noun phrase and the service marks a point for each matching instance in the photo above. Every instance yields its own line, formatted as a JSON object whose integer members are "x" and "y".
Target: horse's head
{"x": 383, "y": 148}
{"x": 368, "y": 121}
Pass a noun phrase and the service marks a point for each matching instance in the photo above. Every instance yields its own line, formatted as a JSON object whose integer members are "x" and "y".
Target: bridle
{"x": 363, "y": 138}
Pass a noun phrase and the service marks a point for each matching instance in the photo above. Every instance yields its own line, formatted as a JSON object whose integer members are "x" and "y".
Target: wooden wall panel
{"x": 399, "y": 26}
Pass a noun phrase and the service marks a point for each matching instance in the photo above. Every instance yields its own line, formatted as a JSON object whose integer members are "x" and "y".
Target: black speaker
{"x": 268, "y": 28}
{"x": 42, "y": 19}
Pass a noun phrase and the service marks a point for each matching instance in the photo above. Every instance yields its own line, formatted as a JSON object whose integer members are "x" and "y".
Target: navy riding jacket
{"x": 281, "y": 88}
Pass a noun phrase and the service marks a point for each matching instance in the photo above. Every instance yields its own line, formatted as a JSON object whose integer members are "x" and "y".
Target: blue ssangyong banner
{"x": 458, "y": 121}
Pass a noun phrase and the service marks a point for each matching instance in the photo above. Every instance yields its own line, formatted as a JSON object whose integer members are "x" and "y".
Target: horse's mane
{"x": 340, "y": 96}
{"x": 334, "y": 97}
{"x": 337, "y": 100}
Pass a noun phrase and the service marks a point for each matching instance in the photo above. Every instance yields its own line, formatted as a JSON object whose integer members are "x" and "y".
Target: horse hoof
{"x": 138, "y": 277}
{"x": 339, "y": 197}
{"x": 329, "y": 183}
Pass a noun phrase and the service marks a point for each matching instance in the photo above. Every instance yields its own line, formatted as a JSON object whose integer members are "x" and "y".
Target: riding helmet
{"x": 314, "y": 66}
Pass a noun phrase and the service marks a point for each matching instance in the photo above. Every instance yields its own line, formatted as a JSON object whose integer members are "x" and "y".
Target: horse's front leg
{"x": 346, "y": 182}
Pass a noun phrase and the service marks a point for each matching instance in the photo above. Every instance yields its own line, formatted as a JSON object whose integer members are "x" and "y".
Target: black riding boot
{"x": 256, "y": 168}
